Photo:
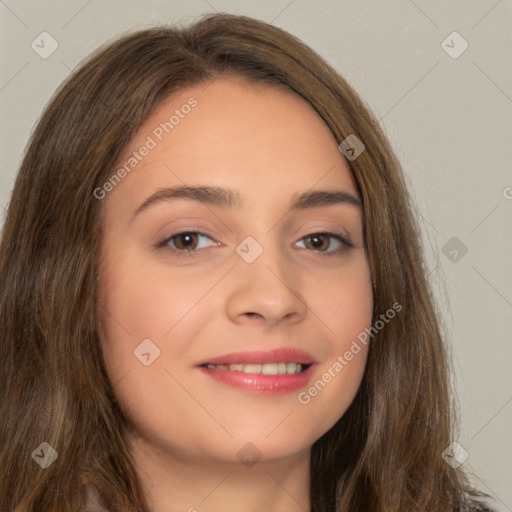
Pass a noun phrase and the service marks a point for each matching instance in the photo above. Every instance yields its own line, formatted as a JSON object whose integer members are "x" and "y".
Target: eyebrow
{"x": 226, "y": 197}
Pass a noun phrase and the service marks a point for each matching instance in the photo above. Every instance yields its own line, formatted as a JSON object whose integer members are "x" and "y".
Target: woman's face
{"x": 254, "y": 283}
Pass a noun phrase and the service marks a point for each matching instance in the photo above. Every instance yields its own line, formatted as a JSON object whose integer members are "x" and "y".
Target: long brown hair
{"x": 384, "y": 454}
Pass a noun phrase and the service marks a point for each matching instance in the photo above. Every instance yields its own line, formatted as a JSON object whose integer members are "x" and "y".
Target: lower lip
{"x": 271, "y": 384}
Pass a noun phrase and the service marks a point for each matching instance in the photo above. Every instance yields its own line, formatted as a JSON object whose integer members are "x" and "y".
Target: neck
{"x": 178, "y": 483}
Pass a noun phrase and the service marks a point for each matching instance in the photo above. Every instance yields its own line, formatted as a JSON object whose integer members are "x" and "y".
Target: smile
{"x": 277, "y": 371}
{"x": 264, "y": 369}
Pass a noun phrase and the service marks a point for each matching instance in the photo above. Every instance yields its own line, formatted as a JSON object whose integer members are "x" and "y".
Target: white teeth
{"x": 269, "y": 369}
{"x": 252, "y": 368}
{"x": 265, "y": 369}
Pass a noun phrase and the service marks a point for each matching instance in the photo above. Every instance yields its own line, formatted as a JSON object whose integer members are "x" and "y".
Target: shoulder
{"x": 92, "y": 499}
{"x": 486, "y": 504}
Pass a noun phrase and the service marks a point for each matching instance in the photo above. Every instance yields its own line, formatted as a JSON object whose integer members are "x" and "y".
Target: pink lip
{"x": 270, "y": 384}
{"x": 279, "y": 355}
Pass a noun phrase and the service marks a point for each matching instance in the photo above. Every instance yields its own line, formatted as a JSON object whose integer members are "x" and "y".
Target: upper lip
{"x": 278, "y": 355}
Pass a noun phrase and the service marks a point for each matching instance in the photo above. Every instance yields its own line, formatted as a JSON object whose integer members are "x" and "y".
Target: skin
{"x": 186, "y": 428}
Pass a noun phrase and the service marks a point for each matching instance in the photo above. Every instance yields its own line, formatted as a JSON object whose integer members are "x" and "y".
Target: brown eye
{"x": 322, "y": 242}
{"x": 185, "y": 241}
{"x": 319, "y": 241}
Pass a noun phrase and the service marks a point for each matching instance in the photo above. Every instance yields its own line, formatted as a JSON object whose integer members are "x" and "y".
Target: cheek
{"x": 139, "y": 302}
{"x": 344, "y": 302}
{"x": 139, "y": 305}
{"x": 345, "y": 306}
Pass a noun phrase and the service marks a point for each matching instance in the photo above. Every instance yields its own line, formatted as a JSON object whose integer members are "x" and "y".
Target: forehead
{"x": 259, "y": 138}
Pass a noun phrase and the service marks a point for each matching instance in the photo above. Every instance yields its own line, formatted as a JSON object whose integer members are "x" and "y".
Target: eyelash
{"x": 192, "y": 253}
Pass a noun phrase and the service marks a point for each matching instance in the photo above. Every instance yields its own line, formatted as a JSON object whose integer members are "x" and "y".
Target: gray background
{"x": 448, "y": 119}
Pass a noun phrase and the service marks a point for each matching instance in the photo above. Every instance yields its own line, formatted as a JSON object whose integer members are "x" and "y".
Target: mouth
{"x": 260, "y": 369}
{"x": 276, "y": 371}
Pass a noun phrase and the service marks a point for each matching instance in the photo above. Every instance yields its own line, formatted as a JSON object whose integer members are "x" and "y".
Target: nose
{"x": 265, "y": 291}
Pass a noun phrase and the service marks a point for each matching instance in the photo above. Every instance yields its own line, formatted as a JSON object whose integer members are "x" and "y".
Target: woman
{"x": 293, "y": 362}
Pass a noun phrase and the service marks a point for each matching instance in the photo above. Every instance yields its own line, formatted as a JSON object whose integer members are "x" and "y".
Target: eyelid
{"x": 335, "y": 234}
{"x": 341, "y": 237}
{"x": 163, "y": 243}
